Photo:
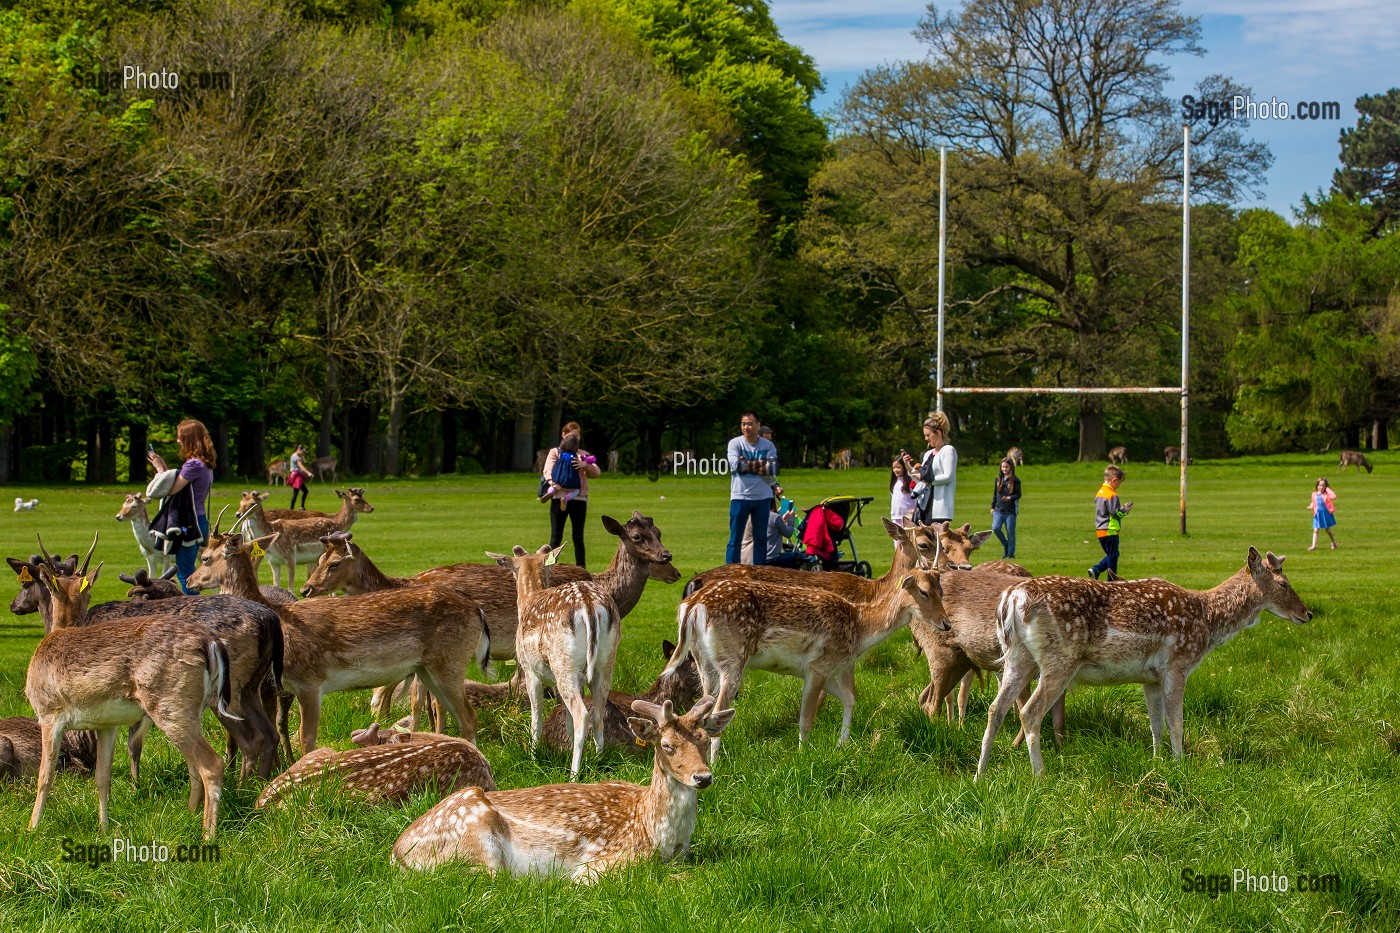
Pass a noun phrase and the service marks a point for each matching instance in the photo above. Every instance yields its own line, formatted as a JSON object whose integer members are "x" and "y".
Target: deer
{"x": 387, "y": 771}
{"x": 1118, "y": 455}
{"x": 581, "y": 830}
{"x": 277, "y": 472}
{"x": 133, "y": 510}
{"x": 732, "y": 625}
{"x": 1015, "y": 455}
{"x": 842, "y": 460}
{"x": 680, "y": 688}
{"x": 31, "y": 597}
{"x": 323, "y": 465}
{"x": 1067, "y": 631}
{"x": 1354, "y": 458}
{"x": 1172, "y": 455}
{"x": 104, "y": 676}
{"x": 568, "y": 639}
{"x": 299, "y": 537}
{"x": 22, "y": 746}
{"x": 356, "y": 642}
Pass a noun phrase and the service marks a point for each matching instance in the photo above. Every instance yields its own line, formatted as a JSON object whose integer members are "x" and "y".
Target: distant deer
{"x": 842, "y": 460}
{"x": 581, "y": 830}
{"x": 1068, "y": 631}
{"x": 298, "y": 535}
{"x": 134, "y": 510}
{"x": 1118, "y": 455}
{"x": 1172, "y": 455}
{"x": 680, "y": 688}
{"x": 1354, "y": 458}
{"x": 323, "y": 465}
{"x": 1015, "y": 456}
{"x": 277, "y": 472}
{"x": 732, "y": 625}
{"x": 613, "y": 457}
{"x": 389, "y": 771}
{"x": 568, "y": 639}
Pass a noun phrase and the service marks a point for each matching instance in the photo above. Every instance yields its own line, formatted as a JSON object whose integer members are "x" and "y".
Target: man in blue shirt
{"x": 753, "y": 469}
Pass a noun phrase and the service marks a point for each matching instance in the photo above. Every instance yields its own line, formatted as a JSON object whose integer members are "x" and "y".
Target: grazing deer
{"x": 277, "y": 472}
{"x": 842, "y": 460}
{"x": 568, "y": 638}
{"x": 1118, "y": 455}
{"x": 357, "y": 642}
{"x": 680, "y": 688}
{"x": 388, "y": 771}
{"x": 613, "y": 458}
{"x": 134, "y": 510}
{"x": 1354, "y": 458}
{"x": 104, "y": 676}
{"x": 323, "y": 465}
{"x": 298, "y": 534}
{"x": 1172, "y": 455}
{"x": 1015, "y": 455}
{"x": 1137, "y": 631}
{"x": 731, "y": 625}
{"x": 579, "y": 829}
{"x": 22, "y": 748}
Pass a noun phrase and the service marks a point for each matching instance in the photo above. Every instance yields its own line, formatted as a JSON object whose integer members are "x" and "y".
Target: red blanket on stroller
{"x": 819, "y": 535}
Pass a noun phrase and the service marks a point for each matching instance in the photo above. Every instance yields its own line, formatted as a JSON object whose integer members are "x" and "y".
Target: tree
{"x": 1370, "y": 156}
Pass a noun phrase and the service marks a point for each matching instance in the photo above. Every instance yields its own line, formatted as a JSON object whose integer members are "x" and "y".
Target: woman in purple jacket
{"x": 197, "y": 472}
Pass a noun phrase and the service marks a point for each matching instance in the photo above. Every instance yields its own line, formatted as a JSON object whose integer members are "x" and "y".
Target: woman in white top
{"x": 937, "y": 473}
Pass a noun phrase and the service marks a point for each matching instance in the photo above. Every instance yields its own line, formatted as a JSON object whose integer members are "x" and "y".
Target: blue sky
{"x": 1285, "y": 49}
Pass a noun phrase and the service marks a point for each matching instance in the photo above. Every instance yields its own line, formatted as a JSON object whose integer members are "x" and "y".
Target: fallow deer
{"x": 133, "y": 510}
{"x": 104, "y": 676}
{"x": 580, "y": 830}
{"x": 357, "y": 642}
{"x": 1172, "y": 455}
{"x": 323, "y": 465}
{"x": 1354, "y": 458}
{"x": 277, "y": 472}
{"x": 568, "y": 639}
{"x": 732, "y": 625}
{"x": 680, "y": 688}
{"x": 1150, "y": 632}
{"x": 298, "y": 538}
{"x": 1118, "y": 455}
{"x": 389, "y": 771}
{"x": 1015, "y": 455}
{"x": 22, "y": 748}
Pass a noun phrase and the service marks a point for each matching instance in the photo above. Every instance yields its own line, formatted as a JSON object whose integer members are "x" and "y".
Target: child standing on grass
{"x": 1108, "y": 520}
{"x": 1323, "y": 505}
{"x": 902, "y": 500}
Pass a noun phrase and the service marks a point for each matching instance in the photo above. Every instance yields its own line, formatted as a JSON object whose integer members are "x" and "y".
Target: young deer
{"x": 389, "y": 771}
{"x": 109, "y": 675}
{"x": 1150, "y": 632}
{"x": 299, "y": 538}
{"x": 568, "y": 638}
{"x": 357, "y": 642}
{"x": 134, "y": 510}
{"x": 679, "y": 688}
{"x": 579, "y": 829}
{"x": 732, "y": 625}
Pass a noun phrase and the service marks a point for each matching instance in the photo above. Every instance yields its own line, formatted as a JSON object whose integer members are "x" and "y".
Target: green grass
{"x": 1292, "y": 745}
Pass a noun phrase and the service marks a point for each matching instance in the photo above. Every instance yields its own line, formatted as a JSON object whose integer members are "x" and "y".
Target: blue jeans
{"x": 1109, "y": 543}
{"x": 1005, "y": 520}
{"x": 741, "y": 512}
{"x": 185, "y": 557}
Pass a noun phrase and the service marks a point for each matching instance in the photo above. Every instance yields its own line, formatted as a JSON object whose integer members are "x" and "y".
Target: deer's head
{"x": 222, "y": 556}
{"x": 337, "y": 566}
{"x": 925, "y": 589}
{"x": 133, "y": 505}
{"x": 949, "y": 548}
{"x": 533, "y": 569}
{"x": 30, "y": 597}
{"x": 682, "y": 685}
{"x": 69, "y": 590}
{"x": 682, "y": 743}
{"x": 356, "y": 497}
{"x": 1279, "y": 596}
{"x": 249, "y": 499}
{"x": 642, "y": 540}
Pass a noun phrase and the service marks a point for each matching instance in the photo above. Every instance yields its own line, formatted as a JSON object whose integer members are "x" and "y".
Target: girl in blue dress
{"x": 1323, "y": 505}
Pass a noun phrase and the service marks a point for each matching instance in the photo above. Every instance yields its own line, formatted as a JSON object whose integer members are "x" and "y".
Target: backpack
{"x": 566, "y": 473}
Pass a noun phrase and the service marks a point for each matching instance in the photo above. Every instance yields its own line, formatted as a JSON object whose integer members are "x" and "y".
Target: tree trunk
{"x": 252, "y": 448}
{"x": 93, "y": 469}
{"x": 449, "y": 441}
{"x": 7, "y": 440}
{"x": 522, "y": 449}
{"x": 106, "y": 452}
{"x": 556, "y": 418}
{"x": 433, "y": 466}
{"x": 329, "y": 393}
{"x": 223, "y": 471}
{"x": 1091, "y": 435}
{"x": 351, "y": 458}
{"x": 1379, "y": 441}
{"x": 136, "y": 455}
{"x": 391, "y": 434}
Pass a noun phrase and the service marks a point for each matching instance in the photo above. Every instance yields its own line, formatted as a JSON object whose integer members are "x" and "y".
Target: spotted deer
{"x": 356, "y": 642}
{"x": 133, "y": 510}
{"x": 581, "y": 830}
{"x": 1354, "y": 458}
{"x": 277, "y": 472}
{"x": 1015, "y": 455}
{"x": 680, "y": 688}
{"x": 389, "y": 771}
{"x": 732, "y": 625}
{"x": 103, "y": 676}
{"x": 1118, "y": 455}
{"x": 22, "y": 749}
{"x": 299, "y": 536}
{"x": 1067, "y": 631}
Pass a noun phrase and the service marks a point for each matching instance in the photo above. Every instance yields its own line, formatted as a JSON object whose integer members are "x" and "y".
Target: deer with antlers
{"x": 298, "y": 533}
{"x": 580, "y": 830}
{"x": 1070, "y": 631}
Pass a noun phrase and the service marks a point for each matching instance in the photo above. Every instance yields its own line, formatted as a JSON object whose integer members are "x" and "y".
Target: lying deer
{"x": 356, "y": 642}
{"x": 679, "y": 688}
{"x": 568, "y": 639}
{"x": 134, "y": 510}
{"x": 732, "y": 625}
{"x": 1069, "y": 631}
{"x": 579, "y": 829}
{"x": 22, "y": 748}
{"x": 104, "y": 676}
{"x": 299, "y": 534}
{"x": 388, "y": 771}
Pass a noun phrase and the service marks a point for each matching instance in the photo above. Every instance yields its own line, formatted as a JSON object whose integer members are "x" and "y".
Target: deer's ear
{"x": 894, "y": 530}
{"x": 667, "y": 649}
{"x": 613, "y": 526}
{"x": 501, "y": 559}
{"x": 1274, "y": 561}
{"x": 18, "y": 566}
{"x": 716, "y": 722}
{"x": 554, "y": 556}
{"x": 644, "y": 729}
{"x": 1252, "y": 560}
{"x": 980, "y": 537}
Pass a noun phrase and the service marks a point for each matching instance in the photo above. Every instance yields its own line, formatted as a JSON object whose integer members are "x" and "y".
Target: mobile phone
{"x": 150, "y": 448}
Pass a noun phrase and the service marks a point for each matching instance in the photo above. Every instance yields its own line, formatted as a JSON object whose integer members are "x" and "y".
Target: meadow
{"x": 1292, "y": 738}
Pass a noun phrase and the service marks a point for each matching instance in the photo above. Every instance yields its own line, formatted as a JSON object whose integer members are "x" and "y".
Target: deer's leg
{"x": 310, "y": 701}
{"x": 51, "y": 734}
{"x": 1156, "y": 713}
{"x": 1014, "y": 677}
{"x": 284, "y": 713}
{"x": 964, "y": 693}
{"x": 1057, "y": 721}
{"x": 534, "y": 688}
{"x": 1174, "y": 697}
{"x": 1054, "y": 678}
{"x": 206, "y": 763}
{"x": 945, "y": 669}
{"x": 811, "y": 703}
{"x": 382, "y": 703}
{"x": 451, "y": 694}
{"x": 727, "y": 677}
{"x": 106, "y": 747}
{"x": 570, "y": 690}
{"x": 842, "y": 685}
{"x": 602, "y": 684}
{"x": 135, "y": 741}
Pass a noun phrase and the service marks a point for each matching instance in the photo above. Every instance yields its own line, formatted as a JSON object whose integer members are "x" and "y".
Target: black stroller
{"x": 822, "y": 545}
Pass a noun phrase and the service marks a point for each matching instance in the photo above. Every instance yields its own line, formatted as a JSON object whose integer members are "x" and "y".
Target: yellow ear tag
{"x": 553, "y": 558}
{"x": 25, "y": 576}
{"x": 84, "y": 585}
{"x": 641, "y": 742}
{"x": 258, "y": 550}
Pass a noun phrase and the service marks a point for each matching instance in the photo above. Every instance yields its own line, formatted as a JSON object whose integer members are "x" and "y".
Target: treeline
{"x": 421, "y": 236}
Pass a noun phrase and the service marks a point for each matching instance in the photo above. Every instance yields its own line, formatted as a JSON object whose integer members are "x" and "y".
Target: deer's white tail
{"x": 688, "y": 618}
{"x": 216, "y": 682}
{"x": 1011, "y": 617}
{"x": 595, "y": 621}
{"x": 483, "y": 647}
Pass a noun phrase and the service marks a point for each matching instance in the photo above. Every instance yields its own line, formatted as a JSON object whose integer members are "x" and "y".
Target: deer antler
{"x": 83, "y": 571}
{"x": 218, "y": 521}
{"x": 47, "y": 561}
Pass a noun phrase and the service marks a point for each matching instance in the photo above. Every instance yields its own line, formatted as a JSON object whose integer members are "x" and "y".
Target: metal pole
{"x": 942, "y": 255}
{"x": 1185, "y": 303}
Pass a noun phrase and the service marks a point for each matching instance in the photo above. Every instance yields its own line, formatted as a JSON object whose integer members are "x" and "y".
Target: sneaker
{"x": 1093, "y": 574}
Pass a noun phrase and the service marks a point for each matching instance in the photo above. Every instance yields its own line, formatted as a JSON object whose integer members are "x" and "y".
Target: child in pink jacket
{"x": 1323, "y": 505}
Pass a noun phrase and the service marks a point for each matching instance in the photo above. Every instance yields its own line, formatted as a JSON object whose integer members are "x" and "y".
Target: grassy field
{"x": 1292, "y": 745}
